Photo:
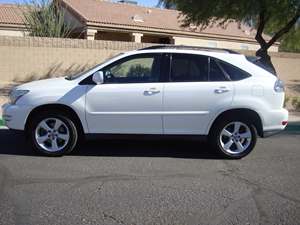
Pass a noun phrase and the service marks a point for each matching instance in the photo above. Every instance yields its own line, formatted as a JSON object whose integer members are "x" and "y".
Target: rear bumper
{"x": 275, "y": 122}
{"x": 271, "y": 133}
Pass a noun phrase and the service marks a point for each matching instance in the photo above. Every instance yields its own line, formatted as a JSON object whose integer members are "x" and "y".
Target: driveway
{"x": 150, "y": 182}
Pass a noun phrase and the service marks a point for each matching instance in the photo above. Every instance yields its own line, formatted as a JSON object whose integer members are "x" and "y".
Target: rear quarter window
{"x": 257, "y": 61}
{"x": 232, "y": 71}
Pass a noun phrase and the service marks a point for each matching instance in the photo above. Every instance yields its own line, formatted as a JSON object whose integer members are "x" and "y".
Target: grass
{"x": 1, "y": 122}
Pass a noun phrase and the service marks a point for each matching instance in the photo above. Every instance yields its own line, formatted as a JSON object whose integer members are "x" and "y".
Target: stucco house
{"x": 11, "y": 20}
{"x": 119, "y": 21}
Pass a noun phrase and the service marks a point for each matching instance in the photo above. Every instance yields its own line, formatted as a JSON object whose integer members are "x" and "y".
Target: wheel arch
{"x": 245, "y": 112}
{"x": 56, "y": 108}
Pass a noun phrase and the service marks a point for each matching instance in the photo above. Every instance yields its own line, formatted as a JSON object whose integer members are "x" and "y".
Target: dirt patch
{"x": 4, "y": 92}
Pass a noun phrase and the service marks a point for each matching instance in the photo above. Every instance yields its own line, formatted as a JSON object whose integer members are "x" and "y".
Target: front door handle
{"x": 152, "y": 91}
{"x": 221, "y": 90}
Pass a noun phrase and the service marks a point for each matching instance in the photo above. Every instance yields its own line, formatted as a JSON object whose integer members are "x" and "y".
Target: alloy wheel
{"x": 235, "y": 138}
{"x": 52, "y": 134}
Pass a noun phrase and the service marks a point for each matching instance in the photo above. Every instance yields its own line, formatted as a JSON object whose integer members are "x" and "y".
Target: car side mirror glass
{"x": 98, "y": 77}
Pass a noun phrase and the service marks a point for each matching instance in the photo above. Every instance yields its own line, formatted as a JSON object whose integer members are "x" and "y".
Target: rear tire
{"x": 52, "y": 134}
{"x": 233, "y": 137}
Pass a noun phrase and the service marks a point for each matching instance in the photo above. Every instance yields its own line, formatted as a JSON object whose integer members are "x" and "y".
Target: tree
{"x": 277, "y": 17}
{"x": 291, "y": 42}
{"x": 45, "y": 18}
{"x": 166, "y": 4}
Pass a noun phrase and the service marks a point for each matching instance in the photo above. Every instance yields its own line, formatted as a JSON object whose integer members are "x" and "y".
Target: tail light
{"x": 279, "y": 86}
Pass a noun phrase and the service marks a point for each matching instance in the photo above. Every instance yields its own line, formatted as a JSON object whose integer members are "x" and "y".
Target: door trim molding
{"x": 163, "y": 113}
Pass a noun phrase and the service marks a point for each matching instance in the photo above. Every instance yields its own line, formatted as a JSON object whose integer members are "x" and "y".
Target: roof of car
{"x": 185, "y": 47}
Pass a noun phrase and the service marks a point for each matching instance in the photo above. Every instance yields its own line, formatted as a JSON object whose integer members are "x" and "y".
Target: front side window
{"x": 134, "y": 69}
{"x": 189, "y": 68}
{"x": 77, "y": 75}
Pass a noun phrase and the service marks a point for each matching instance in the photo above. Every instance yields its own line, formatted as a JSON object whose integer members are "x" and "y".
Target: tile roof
{"x": 11, "y": 14}
{"x": 105, "y": 12}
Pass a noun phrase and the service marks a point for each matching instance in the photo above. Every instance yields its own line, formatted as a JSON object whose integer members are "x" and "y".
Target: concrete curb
{"x": 293, "y": 127}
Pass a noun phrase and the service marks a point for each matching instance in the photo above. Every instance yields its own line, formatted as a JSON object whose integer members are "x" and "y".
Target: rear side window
{"x": 215, "y": 72}
{"x": 233, "y": 72}
{"x": 189, "y": 68}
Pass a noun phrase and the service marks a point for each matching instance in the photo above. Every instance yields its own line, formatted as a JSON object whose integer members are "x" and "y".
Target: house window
{"x": 212, "y": 44}
{"x": 244, "y": 47}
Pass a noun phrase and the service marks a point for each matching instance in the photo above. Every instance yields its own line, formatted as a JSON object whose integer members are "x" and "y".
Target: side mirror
{"x": 98, "y": 77}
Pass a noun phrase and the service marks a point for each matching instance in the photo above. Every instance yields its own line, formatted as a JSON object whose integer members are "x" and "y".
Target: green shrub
{"x": 44, "y": 18}
{"x": 296, "y": 103}
{"x": 286, "y": 100}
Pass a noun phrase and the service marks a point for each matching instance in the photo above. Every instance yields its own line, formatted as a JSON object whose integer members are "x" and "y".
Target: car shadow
{"x": 14, "y": 143}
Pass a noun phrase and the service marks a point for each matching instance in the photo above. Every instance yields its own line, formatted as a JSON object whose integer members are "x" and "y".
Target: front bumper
{"x": 15, "y": 116}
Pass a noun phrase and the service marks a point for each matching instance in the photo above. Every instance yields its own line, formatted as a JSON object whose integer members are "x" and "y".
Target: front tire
{"x": 52, "y": 134}
{"x": 233, "y": 137}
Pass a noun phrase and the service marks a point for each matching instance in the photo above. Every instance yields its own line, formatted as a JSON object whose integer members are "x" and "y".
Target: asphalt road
{"x": 150, "y": 182}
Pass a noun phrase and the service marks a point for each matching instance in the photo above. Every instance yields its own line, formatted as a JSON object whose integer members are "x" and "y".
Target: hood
{"x": 46, "y": 84}
{"x": 55, "y": 90}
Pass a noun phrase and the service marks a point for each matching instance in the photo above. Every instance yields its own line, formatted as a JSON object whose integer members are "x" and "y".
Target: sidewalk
{"x": 294, "y": 123}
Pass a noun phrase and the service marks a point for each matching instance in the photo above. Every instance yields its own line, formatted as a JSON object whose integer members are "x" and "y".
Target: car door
{"x": 196, "y": 91}
{"x": 130, "y": 99}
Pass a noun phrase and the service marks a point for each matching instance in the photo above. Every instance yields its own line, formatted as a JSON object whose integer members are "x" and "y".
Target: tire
{"x": 230, "y": 141}
{"x": 52, "y": 134}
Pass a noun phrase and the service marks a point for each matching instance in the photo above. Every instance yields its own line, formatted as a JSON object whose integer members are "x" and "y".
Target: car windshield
{"x": 77, "y": 75}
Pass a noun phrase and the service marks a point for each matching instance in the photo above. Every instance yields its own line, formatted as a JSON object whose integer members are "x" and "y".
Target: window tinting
{"x": 257, "y": 61}
{"x": 189, "y": 68}
{"x": 215, "y": 72}
{"x": 135, "y": 69}
{"x": 233, "y": 72}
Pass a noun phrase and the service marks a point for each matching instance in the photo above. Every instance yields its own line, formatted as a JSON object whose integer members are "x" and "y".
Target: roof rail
{"x": 186, "y": 47}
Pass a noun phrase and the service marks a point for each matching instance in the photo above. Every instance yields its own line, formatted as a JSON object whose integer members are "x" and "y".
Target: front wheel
{"x": 53, "y": 135}
{"x": 233, "y": 138}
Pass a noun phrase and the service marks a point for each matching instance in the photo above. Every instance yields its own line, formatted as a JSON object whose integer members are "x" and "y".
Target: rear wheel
{"x": 233, "y": 137}
{"x": 53, "y": 135}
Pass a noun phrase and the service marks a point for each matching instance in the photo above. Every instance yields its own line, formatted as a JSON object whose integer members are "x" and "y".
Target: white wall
{"x": 219, "y": 44}
{"x": 14, "y": 33}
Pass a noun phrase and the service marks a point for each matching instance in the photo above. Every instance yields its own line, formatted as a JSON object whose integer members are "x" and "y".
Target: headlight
{"x": 16, "y": 94}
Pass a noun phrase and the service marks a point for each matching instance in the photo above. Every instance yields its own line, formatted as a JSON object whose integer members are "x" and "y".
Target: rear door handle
{"x": 152, "y": 91}
{"x": 221, "y": 90}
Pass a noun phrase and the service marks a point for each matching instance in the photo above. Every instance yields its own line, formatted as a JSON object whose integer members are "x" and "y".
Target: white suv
{"x": 160, "y": 90}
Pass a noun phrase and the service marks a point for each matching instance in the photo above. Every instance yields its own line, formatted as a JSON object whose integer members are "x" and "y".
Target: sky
{"x": 140, "y": 2}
